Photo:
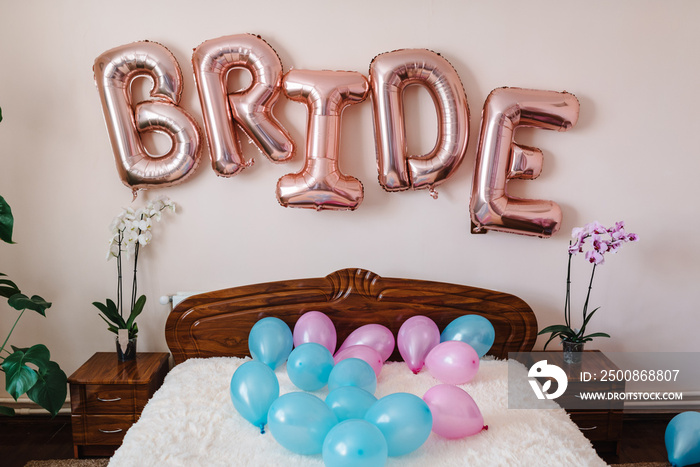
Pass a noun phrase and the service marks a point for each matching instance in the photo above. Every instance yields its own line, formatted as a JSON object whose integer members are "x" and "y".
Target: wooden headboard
{"x": 217, "y": 323}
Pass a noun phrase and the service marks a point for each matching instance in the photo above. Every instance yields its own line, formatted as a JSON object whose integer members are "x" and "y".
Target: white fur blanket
{"x": 191, "y": 421}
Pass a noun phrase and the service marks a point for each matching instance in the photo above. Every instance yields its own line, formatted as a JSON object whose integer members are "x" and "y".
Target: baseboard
{"x": 25, "y": 406}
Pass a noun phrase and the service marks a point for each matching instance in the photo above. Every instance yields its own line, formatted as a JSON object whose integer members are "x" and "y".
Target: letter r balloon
{"x": 320, "y": 184}
{"x": 114, "y": 72}
{"x": 500, "y": 159}
{"x": 250, "y": 108}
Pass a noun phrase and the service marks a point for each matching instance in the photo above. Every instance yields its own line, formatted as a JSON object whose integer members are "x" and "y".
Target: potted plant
{"x": 44, "y": 382}
{"x": 131, "y": 230}
{"x": 602, "y": 241}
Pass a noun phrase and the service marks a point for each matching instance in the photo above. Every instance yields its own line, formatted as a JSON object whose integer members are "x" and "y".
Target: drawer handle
{"x": 118, "y": 430}
{"x": 587, "y": 428}
{"x": 109, "y": 400}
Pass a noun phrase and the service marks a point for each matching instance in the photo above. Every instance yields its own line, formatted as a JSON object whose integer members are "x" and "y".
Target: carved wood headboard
{"x": 217, "y": 323}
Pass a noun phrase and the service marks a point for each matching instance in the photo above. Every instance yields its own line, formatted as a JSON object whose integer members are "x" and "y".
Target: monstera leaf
{"x": 45, "y": 385}
{"x": 21, "y": 302}
{"x": 6, "y": 221}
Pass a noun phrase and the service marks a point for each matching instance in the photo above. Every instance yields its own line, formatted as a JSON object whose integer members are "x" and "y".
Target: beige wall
{"x": 633, "y": 155}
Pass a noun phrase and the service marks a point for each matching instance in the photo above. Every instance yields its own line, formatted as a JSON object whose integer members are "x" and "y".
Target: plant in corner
{"x": 131, "y": 230}
{"x": 602, "y": 241}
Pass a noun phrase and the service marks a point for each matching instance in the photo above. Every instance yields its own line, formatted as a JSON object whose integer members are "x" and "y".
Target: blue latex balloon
{"x": 309, "y": 366}
{"x": 254, "y": 387}
{"x": 355, "y": 443}
{"x": 475, "y": 330}
{"x": 404, "y": 419}
{"x": 683, "y": 439}
{"x": 353, "y": 372}
{"x": 270, "y": 341}
{"x": 300, "y": 421}
{"x": 349, "y": 402}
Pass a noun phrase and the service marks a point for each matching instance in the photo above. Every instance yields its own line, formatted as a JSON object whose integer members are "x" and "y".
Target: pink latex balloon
{"x": 363, "y": 352}
{"x": 377, "y": 336}
{"x": 453, "y": 362}
{"x": 417, "y": 336}
{"x": 500, "y": 159}
{"x": 455, "y": 414}
{"x": 250, "y": 109}
{"x": 390, "y": 74}
{"x": 127, "y": 120}
{"x": 314, "y": 326}
{"x": 320, "y": 184}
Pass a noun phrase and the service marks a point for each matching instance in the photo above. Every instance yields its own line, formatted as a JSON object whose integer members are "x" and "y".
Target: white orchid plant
{"x": 603, "y": 240}
{"x": 131, "y": 230}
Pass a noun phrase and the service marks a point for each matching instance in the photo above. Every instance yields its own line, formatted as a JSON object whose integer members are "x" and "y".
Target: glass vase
{"x": 128, "y": 353}
{"x": 572, "y": 351}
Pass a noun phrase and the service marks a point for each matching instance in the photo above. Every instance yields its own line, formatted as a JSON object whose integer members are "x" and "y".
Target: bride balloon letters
{"x": 320, "y": 184}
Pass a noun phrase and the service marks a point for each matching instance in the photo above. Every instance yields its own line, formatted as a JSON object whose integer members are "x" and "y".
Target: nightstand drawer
{"x": 109, "y": 398}
{"x": 101, "y": 429}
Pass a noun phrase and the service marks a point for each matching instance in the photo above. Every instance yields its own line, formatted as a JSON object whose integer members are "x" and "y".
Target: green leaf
{"x": 50, "y": 390}
{"x": 554, "y": 334}
{"x": 6, "y": 221}
{"x": 110, "y": 326}
{"x": 557, "y": 330}
{"x": 19, "y": 378}
{"x": 8, "y": 288}
{"x": 6, "y": 411}
{"x": 595, "y": 334}
{"x": 22, "y": 302}
{"x": 560, "y": 328}
{"x": 110, "y": 311}
{"x": 138, "y": 308}
{"x": 587, "y": 319}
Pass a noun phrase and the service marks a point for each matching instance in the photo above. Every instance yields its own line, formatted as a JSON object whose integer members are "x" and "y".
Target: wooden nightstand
{"x": 107, "y": 397}
{"x": 600, "y": 425}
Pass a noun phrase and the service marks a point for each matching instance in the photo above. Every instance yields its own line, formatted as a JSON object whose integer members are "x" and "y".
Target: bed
{"x": 191, "y": 420}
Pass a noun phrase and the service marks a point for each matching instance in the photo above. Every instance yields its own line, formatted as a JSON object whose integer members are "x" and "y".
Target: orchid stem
{"x": 567, "y": 303}
{"x": 133, "y": 284}
{"x": 588, "y": 295}
{"x": 119, "y": 276}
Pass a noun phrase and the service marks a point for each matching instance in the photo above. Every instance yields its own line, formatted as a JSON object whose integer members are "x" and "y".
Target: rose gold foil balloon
{"x": 251, "y": 108}
{"x": 126, "y": 120}
{"x": 390, "y": 73}
{"x": 500, "y": 159}
{"x": 320, "y": 185}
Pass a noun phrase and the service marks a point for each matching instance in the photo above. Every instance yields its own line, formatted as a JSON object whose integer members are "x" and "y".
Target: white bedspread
{"x": 190, "y": 421}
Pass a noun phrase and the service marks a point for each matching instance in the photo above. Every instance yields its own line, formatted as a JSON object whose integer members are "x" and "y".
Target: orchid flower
{"x": 131, "y": 230}
{"x": 602, "y": 240}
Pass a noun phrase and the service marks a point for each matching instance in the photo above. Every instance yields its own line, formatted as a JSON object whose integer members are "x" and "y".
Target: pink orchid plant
{"x": 597, "y": 241}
